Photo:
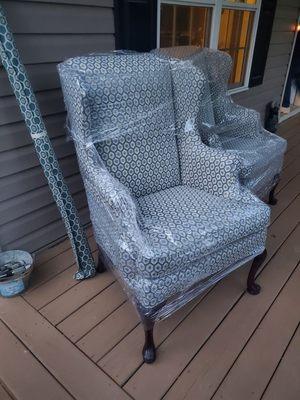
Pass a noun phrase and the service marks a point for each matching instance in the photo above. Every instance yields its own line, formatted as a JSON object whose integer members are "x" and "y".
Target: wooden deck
{"x": 65, "y": 339}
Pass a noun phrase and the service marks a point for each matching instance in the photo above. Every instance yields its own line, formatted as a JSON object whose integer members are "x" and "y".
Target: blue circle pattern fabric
{"x": 226, "y": 125}
{"x": 168, "y": 211}
{"x": 33, "y": 119}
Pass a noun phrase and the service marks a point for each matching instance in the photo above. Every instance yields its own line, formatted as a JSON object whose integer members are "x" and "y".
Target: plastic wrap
{"x": 230, "y": 126}
{"x": 168, "y": 212}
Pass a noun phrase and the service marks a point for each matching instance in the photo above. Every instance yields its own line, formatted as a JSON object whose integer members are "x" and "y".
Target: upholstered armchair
{"x": 231, "y": 127}
{"x": 169, "y": 214}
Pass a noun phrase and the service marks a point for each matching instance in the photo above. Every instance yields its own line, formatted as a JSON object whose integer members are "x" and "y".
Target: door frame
{"x": 297, "y": 110}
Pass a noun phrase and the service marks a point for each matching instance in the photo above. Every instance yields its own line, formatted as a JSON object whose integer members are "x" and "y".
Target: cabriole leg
{"x": 149, "y": 352}
{"x": 252, "y": 287}
{"x": 272, "y": 199}
{"x": 100, "y": 264}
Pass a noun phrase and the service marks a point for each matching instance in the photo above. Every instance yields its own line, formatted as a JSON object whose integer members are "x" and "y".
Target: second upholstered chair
{"x": 229, "y": 126}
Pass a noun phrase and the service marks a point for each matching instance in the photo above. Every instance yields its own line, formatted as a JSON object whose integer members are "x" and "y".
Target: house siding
{"x": 46, "y": 32}
{"x": 279, "y": 53}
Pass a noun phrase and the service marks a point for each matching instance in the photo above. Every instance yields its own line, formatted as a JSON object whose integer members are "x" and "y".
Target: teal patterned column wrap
{"x": 33, "y": 119}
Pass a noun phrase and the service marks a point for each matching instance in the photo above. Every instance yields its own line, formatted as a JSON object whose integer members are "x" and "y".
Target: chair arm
{"x": 236, "y": 121}
{"x": 113, "y": 210}
{"x": 213, "y": 170}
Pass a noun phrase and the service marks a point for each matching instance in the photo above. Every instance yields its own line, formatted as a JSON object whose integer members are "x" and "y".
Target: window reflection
{"x": 184, "y": 25}
{"x": 234, "y": 38}
{"x": 243, "y": 1}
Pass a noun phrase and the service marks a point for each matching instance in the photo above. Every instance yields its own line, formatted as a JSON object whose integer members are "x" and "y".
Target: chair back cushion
{"x": 217, "y": 67}
{"x": 182, "y": 58}
{"x": 192, "y": 102}
{"x": 179, "y": 52}
{"x": 127, "y": 112}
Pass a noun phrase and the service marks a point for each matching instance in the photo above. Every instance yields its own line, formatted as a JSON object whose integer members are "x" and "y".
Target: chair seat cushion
{"x": 188, "y": 223}
{"x": 193, "y": 235}
{"x": 193, "y": 276}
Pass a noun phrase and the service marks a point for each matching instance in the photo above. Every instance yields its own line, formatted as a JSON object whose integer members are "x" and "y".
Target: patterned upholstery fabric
{"x": 207, "y": 170}
{"x": 233, "y": 128}
{"x": 193, "y": 235}
{"x": 21, "y": 86}
{"x": 192, "y": 102}
{"x": 179, "y": 225}
{"x": 179, "y": 52}
{"x": 212, "y": 223}
{"x": 144, "y": 148}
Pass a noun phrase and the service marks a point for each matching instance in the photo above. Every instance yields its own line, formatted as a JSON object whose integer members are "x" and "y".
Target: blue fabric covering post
{"x": 33, "y": 119}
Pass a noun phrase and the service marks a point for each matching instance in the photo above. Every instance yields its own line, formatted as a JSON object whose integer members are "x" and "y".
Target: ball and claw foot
{"x": 101, "y": 267}
{"x": 149, "y": 354}
{"x": 272, "y": 199}
{"x": 254, "y": 289}
{"x": 149, "y": 351}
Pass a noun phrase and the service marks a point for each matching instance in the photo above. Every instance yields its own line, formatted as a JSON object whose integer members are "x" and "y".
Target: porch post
{"x": 34, "y": 122}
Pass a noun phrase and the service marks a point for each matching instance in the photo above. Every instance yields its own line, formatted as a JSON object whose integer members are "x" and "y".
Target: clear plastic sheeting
{"x": 169, "y": 213}
{"x": 229, "y": 126}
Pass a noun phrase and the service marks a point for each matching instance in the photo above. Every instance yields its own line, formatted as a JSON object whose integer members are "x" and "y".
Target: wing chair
{"x": 232, "y": 127}
{"x": 169, "y": 214}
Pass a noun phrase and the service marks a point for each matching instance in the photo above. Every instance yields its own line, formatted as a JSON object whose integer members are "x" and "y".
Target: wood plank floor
{"x": 65, "y": 339}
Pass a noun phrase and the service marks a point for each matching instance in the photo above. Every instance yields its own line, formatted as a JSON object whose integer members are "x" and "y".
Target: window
{"x": 228, "y": 25}
{"x": 184, "y": 25}
{"x": 235, "y": 38}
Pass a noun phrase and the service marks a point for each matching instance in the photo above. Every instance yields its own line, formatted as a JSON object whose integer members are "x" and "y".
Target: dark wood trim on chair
{"x": 148, "y": 321}
{"x": 252, "y": 287}
{"x": 272, "y": 199}
{"x": 148, "y": 316}
{"x": 102, "y": 264}
{"x": 149, "y": 351}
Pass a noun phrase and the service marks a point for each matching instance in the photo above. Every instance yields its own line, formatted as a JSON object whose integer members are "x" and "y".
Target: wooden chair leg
{"x": 252, "y": 287}
{"x": 272, "y": 199}
{"x": 101, "y": 267}
{"x": 149, "y": 351}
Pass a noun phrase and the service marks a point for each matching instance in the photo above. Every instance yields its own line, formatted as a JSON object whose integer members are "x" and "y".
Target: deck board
{"x": 228, "y": 290}
{"x": 53, "y": 288}
{"x": 152, "y": 381}
{"x": 265, "y": 348}
{"x": 285, "y": 383}
{"x": 82, "y": 340}
{"x": 286, "y": 197}
{"x": 93, "y": 312}
{"x": 124, "y": 360}
{"x": 24, "y": 376}
{"x": 4, "y": 395}
{"x": 210, "y": 366}
{"x": 289, "y": 173}
{"x": 76, "y": 372}
{"x": 71, "y": 300}
{"x": 111, "y": 331}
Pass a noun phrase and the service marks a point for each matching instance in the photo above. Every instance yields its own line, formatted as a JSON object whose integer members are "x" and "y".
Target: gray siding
{"x": 278, "y": 58}
{"x": 46, "y": 32}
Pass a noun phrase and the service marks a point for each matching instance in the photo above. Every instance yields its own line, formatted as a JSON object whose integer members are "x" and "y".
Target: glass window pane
{"x": 184, "y": 25}
{"x": 234, "y": 38}
{"x": 252, "y": 2}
